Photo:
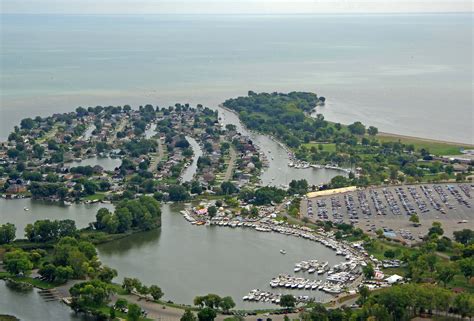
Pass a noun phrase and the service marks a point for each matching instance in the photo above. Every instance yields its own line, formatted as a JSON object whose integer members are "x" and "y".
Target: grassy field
{"x": 435, "y": 147}
{"x": 96, "y": 196}
{"x": 326, "y": 147}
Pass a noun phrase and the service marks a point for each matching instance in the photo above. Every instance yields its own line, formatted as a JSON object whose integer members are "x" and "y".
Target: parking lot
{"x": 389, "y": 208}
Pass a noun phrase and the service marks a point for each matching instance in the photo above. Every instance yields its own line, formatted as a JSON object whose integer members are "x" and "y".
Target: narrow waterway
{"x": 190, "y": 171}
{"x": 278, "y": 172}
{"x": 187, "y": 260}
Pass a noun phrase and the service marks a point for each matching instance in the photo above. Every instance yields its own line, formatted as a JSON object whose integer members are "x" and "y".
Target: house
{"x": 16, "y": 188}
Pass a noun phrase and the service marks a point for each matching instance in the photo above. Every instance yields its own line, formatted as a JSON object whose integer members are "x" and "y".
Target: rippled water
{"x": 391, "y": 71}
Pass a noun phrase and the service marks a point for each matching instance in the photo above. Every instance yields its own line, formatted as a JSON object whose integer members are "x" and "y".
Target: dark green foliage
{"x": 143, "y": 214}
{"x": 7, "y": 233}
{"x": 46, "y": 230}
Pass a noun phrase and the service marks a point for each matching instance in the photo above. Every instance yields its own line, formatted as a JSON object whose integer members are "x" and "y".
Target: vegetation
{"x": 142, "y": 214}
{"x": 286, "y": 116}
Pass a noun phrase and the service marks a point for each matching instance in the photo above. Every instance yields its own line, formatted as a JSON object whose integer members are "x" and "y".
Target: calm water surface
{"x": 278, "y": 173}
{"x": 30, "y": 306}
{"x": 408, "y": 74}
{"x": 187, "y": 260}
{"x": 107, "y": 163}
{"x": 12, "y": 211}
{"x": 189, "y": 172}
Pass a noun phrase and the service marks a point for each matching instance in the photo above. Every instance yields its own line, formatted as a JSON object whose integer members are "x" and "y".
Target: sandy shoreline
{"x": 424, "y": 139}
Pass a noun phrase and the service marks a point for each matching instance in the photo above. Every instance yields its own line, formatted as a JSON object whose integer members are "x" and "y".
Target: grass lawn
{"x": 326, "y": 147}
{"x": 437, "y": 148}
{"x": 381, "y": 246}
{"x": 96, "y": 196}
{"x": 459, "y": 281}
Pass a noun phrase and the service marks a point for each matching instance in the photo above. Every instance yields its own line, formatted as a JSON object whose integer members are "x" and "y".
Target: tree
{"x": 288, "y": 301}
{"x": 63, "y": 273}
{"x": 27, "y": 123}
{"x": 368, "y": 271}
{"x": 106, "y": 274}
{"x": 130, "y": 284}
{"x": 467, "y": 267}
{"x": 446, "y": 273}
{"x": 364, "y": 293}
{"x": 188, "y": 316}
{"x": 415, "y": 219}
{"x": 226, "y": 303}
{"x": 90, "y": 187}
{"x": 464, "y": 304}
{"x": 156, "y": 292}
{"x": 228, "y": 188}
{"x": 7, "y": 233}
{"x": 134, "y": 312}
{"x": 207, "y": 314}
{"x": 92, "y": 293}
{"x": 17, "y": 262}
{"x": 357, "y": 128}
{"x": 178, "y": 193}
{"x": 389, "y": 254}
{"x": 212, "y": 211}
{"x": 464, "y": 236}
{"x": 121, "y": 304}
{"x": 435, "y": 229}
{"x": 372, "y": 131}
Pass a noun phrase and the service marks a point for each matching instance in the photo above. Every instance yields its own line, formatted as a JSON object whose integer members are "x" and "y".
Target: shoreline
{"x": 380, "y": 134}
{"x": 430, "y": 140}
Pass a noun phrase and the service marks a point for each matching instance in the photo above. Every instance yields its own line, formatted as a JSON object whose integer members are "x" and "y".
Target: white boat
{"x": 282, "y": 251}
{"x": 26, "y": 209}
{"x": 66, "y": 203}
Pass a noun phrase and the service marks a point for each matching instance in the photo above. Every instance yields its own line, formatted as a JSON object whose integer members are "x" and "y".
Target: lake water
{"x": 408, "y": 74}
{"x": 187, "y": 260}
{"x": 107, "y": 163}
{"x": 12, "y": 211}
{"x": 31, "y": 306}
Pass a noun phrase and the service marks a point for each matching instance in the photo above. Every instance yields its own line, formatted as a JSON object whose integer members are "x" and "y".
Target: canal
{"x": 190, "y": 171}
{"x": 278, "y": 172}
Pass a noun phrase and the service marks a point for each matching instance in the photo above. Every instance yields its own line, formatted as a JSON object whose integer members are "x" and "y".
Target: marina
{"x": 171, "y": 257}
{"x": 333, "y": 280}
